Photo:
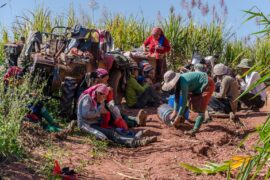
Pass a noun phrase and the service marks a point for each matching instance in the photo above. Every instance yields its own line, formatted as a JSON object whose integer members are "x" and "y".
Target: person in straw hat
{"x": 256, "y": 97}
{"x": 198, "y": 85}
{"x": 224, "y": 101}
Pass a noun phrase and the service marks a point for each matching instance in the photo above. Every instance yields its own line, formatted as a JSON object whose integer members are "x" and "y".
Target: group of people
{"x": 201, "y": 87}
{"x": 209, "y": 90}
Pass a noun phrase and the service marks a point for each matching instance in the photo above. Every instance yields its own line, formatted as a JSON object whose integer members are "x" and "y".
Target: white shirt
{"x": 249, "y": 80}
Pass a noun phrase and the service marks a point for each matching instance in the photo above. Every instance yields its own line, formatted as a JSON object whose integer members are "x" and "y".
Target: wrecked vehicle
{"x": 63, "y": 57}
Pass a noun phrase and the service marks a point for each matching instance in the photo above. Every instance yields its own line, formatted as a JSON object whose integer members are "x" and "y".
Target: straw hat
{"x": 245, "y": 63}
{"x": 220, "y": 69}
{"x": 170, "y": 79}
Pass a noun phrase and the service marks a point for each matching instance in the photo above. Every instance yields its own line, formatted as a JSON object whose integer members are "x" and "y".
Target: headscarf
{"x": 101, "y": 88}
{"x": 157, "y": 30}
{"x": 147, "y": 68}
{"x": 101, "y": 72}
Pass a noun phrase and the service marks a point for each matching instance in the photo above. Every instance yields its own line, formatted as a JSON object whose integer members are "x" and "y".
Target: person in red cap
{"x": 158, "y": 45}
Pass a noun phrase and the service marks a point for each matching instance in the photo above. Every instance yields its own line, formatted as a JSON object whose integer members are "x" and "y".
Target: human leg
{"x": 127, "y": 141}
{"x": 251, "y": 101}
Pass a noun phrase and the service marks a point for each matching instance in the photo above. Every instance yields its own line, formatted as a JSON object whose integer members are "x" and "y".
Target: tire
{"x": 114, "y": 82}
{"x": 68, "y": 89}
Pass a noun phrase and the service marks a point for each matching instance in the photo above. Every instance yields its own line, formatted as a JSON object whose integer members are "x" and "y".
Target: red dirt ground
{"x": 217, "y": 141}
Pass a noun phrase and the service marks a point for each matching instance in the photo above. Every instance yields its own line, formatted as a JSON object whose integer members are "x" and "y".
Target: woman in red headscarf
{"x": 158, "y": 45}
{"x": 91, "y": 113}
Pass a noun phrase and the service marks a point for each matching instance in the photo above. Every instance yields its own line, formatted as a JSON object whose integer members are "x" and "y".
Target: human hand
{"x": 177, "y": 121}
{"x": 173, "y": 115}
{"x": 238, "y": 77}
{"x": 159, "y": 47}
{"x": 103, "y": 110}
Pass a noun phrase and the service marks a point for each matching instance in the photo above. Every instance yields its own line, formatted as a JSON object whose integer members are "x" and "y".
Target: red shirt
{"x": 12, "y": 73}
{"x": 152, "y": 42}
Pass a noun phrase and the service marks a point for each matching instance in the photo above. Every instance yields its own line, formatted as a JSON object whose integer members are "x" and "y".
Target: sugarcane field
{"x": 117, "y": 89}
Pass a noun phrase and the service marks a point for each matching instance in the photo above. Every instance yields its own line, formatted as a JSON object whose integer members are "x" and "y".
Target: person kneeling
{"x": 224, "y": 101}
{"x": 93, "y": 118}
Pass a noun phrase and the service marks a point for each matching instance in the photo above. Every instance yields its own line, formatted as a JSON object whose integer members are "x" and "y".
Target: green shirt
{"x": 194, "y": 82}
{"x": 133, "y": 90}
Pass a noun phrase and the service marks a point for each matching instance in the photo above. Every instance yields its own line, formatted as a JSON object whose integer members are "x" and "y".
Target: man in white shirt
{"x": 255, "y": 98}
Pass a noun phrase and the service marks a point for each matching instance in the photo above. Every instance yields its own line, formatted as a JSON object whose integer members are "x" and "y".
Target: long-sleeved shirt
{"x": 249, "y": 80}
{"x": 229, "y": 89}
{"x": 152, "y": 42}
{"x": 194, "y": 82}
{"x": 87, "y": 111}
{"x": 133, "y": 90}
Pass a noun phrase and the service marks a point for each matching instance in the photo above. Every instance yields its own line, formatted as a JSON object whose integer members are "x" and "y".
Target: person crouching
{"x": 224, "y": 101}
{"x": 196, "y": 85}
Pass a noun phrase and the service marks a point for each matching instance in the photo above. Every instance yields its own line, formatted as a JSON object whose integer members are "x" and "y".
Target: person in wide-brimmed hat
{"x": 251, "y": 99}
{"x": 201, "y": 88}
{"x": 224, "y": 101}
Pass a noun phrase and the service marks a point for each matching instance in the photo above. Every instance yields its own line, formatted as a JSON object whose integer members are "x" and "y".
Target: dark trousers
{"x": 115, "y": 136}
{"x": 252, "y": 102}
{"x": 161, "y": 68}
{"x": 221, "y": 105}
{"x": 148, "y": 97}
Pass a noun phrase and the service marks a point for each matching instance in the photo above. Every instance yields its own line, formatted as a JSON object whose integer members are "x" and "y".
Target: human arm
{"x": 87, "y": 110}
{"x": 146, "y": 42}
{"x": 254, "y": 77}
{"x": 184, "y": 94}
{"x": 136, "y": 86}
{"x": 224, "y": 87}
{"x": 241, "y": 82}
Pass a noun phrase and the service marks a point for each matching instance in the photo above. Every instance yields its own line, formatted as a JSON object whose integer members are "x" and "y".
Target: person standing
{"x": 158, "y": 45}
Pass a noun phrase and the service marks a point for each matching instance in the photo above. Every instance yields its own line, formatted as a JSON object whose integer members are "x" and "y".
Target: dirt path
{"x": 217, "y": 141}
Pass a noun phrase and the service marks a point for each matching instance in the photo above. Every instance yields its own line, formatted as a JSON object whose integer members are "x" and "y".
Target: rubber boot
{"x": 71, "y": 126}
{"x": 130, "y": 120}
{"x": 46, "y": 115}
{"x": 144, "y": 141}
{"x": 140, "y": 133}
{"x": 198, "y": 123}
{"x": 50, "y": 127}
{"x": 141, "y": 117}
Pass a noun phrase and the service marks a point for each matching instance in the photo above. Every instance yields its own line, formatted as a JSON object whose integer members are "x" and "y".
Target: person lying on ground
{"x": 255, "y": 98}
{"x": 224, "y": 101}
{"x": 92, "y": 116}
{"x": 37, "y": 112}
{"x": 198, "y": 85}
{"x": 138, "y": 96}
